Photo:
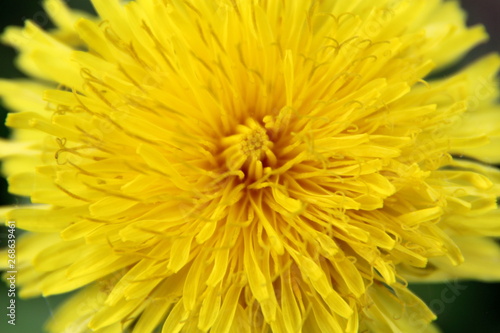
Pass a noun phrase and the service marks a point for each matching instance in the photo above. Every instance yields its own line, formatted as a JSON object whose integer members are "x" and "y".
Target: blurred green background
{"x": 464, "y": 307}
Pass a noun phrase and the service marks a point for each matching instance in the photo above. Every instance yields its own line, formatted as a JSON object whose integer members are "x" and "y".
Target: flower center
{"x": 249, "y": 149}
{"x": 255, "y": 143}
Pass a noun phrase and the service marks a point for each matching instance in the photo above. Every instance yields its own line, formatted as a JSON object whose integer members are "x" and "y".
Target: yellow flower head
{"x": 251, "y": 166}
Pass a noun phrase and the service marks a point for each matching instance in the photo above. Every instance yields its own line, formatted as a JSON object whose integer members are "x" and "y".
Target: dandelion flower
{"x": 251, "y": 166}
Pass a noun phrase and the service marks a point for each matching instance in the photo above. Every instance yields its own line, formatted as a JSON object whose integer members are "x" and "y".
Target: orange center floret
{"x": 255, "y": 143}
{"x": 248, "y": 150}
